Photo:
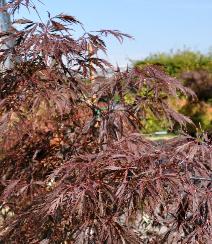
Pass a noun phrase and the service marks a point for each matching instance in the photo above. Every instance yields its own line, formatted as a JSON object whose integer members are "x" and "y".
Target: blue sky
{"x": 157, "y": 25}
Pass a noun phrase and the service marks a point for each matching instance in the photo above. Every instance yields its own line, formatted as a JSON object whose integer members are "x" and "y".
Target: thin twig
{"x": 201, "y": 178}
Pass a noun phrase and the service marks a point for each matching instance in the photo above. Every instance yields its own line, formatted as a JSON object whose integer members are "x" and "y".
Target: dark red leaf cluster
{"x": 74, "y": 167}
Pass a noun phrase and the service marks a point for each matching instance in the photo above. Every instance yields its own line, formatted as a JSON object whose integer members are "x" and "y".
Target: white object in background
{"x": 161, "y": 133}
{"x": 5, "y": 24}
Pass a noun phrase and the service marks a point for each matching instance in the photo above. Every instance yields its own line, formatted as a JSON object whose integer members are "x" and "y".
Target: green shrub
{"x": 181, "y": 61}
{"x": 194, "y": 69}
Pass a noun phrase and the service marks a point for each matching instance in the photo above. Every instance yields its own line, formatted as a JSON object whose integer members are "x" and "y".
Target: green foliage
{"x": 129, "y": 98}
{"x": 201, "y": 114}
{"x": 153, "y": 124}
{"x": 194, "y": 69}
{"x": 180, "y": 61}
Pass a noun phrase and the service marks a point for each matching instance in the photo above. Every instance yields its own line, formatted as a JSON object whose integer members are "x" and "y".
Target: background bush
{"x": 194, "y": 69}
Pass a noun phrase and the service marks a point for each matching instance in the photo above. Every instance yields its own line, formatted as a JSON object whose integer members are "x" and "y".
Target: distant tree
{"x": 74, "y": 168}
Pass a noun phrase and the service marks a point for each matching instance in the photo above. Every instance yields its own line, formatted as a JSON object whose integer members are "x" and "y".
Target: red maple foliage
{"x": 74, "y": 167}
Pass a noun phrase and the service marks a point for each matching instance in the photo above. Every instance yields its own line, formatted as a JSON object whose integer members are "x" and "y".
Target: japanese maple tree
{"x": 74, "y": 167}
